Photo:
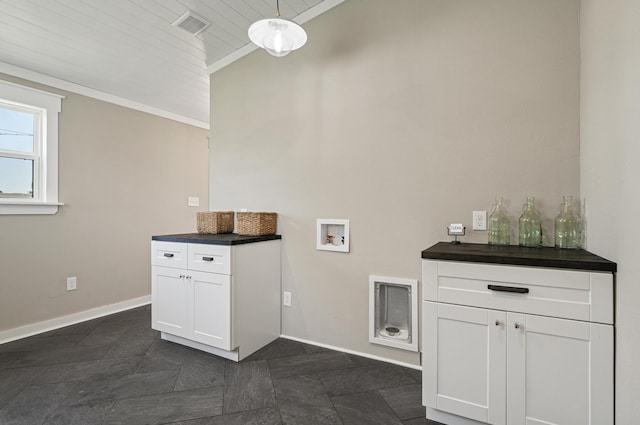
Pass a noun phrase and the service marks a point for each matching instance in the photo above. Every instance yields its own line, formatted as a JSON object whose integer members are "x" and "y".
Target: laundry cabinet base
{"x": 216, "y": 293}
{"x": 517, "y": 344}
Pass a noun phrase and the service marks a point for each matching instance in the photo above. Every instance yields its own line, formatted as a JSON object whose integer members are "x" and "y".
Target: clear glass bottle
{"x": 568, "y": 228}
{"x": 530, "y": 225}
{"x": 499, "y": 226}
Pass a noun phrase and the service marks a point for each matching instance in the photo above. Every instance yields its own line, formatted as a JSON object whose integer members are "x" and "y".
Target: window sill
{"x": 29, "y": 208}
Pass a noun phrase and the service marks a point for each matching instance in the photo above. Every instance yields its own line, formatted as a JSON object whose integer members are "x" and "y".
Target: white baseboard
{"x": 94, "y": 313}
{"x": 71, "y": 319}
{"x": 357, "y": 353}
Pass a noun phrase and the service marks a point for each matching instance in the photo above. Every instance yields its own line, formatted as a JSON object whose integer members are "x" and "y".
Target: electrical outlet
{"x": 286, "y": 298}
{"x": 72, "y": 283}
{"x": 193, "y": 201}
{"x": 479, "y": 220}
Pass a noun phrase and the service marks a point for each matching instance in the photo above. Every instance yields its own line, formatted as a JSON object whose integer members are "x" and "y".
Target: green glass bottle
{"x": 530, "y": 225}
{"x": 568, "y": 227}
{"x": 499, "y": 227}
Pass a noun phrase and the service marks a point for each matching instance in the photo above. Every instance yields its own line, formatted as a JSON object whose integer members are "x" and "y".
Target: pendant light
{"x": 276, "y": 35}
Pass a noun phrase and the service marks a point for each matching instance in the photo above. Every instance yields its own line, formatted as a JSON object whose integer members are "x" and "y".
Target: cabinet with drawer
{"x": 517, "y": 343}
{"x": 223, "y": 299}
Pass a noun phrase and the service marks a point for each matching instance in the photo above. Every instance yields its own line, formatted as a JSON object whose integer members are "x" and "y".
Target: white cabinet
{"x": 211, "y": 307}
{"x": 464, "y": 361}
{"x": 223, "y": 299}
{"x": 558, "y": 371}
{"x": 192, "y": 304}
{"x": 517, "y": 345}
{"x": 169, "y": 297}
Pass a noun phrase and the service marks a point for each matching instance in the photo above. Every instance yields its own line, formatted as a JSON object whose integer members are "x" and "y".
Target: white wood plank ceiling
{"x": 129, "y": 49}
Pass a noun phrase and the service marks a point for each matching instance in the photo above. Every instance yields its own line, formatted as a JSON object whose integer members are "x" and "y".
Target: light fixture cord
{"x": 278, "y": 8}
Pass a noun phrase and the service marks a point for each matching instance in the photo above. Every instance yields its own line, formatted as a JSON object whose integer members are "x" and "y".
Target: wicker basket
{"x": 257, "y": 223}
{"x": 215, "y": 222}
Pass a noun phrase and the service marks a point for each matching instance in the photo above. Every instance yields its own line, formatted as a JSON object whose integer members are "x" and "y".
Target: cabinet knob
{"x": 498, "y": 323}
{"x": 517, "y": 325}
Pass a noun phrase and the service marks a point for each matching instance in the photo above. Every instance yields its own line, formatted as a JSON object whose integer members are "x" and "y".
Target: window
{"x": 19, "y": 151}
{"x": 28, "y": 150}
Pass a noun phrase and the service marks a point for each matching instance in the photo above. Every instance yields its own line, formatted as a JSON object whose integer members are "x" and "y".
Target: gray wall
{"x": 123, "y": 176}
{"x": 402, "y": 118}
{"x": 610, "y": 111}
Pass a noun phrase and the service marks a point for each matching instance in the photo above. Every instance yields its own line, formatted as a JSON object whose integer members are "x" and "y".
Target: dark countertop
{"x": 217, "y": 239}
{"x": 521, "y": 256}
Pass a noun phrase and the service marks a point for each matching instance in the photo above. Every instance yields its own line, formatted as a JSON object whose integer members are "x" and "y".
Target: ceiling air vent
{"x": 191, "y": 23}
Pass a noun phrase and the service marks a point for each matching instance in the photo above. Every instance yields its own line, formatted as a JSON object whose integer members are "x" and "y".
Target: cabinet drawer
{"x": 169, "y": 254}
{"x": 561, "y": 293}
{"x": 210, "y": 258}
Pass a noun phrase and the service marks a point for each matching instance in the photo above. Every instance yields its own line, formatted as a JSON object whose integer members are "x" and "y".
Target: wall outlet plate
{"x": 193, "y": 201}
{"x": 72, "y": 283}
{"x": 286, "y": 298}
{"x": 479, "y": 220}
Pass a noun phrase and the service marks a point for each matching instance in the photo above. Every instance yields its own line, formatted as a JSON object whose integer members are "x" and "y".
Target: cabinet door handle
{"x": 168, "y": 255}
{"x": 511, "y": 289}
{"x": 207, "y": 258}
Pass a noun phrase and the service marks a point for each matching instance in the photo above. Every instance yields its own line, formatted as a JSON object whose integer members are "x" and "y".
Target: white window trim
{"x": 52, "y": 103}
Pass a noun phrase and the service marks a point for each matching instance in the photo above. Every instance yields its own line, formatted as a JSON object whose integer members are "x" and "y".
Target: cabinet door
{"x": 210, "y": 307}
{"x": 169, "y": 300}
{"x": 559, "y": 371}
{"x": 464, "y": 351}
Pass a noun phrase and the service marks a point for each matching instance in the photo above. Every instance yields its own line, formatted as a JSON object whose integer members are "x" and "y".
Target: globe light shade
{"x": 277, "y": 36}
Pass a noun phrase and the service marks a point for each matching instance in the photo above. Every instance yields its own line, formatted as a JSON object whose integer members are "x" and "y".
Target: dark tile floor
{"x": 117, "y": 370}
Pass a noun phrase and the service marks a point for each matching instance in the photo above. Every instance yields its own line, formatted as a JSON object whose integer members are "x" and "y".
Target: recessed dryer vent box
{"x": 393, "y": 312}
